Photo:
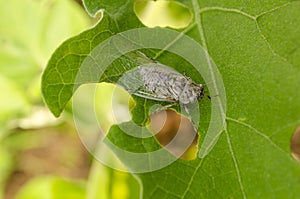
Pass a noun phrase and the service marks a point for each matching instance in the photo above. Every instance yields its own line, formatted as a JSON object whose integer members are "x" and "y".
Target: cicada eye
{"x": 201, "y": 87}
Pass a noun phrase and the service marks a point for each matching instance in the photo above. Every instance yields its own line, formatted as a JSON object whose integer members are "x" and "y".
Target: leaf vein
{"x": 257, "y": 132}
{"x": 192, "y": 179}
{"x": 269, "y": 44}
{"x": 182, "y": 33}
{"x": 238, "y": 173}
{"x": 272, "y": 10}
{"x": 206, "y": 9}
{"x": 255, "y": 18}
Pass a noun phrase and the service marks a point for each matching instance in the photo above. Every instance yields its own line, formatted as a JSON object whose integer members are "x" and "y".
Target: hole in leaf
{"x": 295, "y": 144}
{"x": 111, "y": 105}
{"x": 176, "y": 133}
{"x": 163, "y": 13}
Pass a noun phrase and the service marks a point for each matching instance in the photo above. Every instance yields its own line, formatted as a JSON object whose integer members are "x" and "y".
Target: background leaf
{"x": 30, "y": 32}
{"x": 27, "y": 40}
{"x": 256, "y": 48}
{"x": 52, "y": 188}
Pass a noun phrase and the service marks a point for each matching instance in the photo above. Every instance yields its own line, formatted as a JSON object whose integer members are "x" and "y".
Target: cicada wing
{"x": 131, "y": 81}
{"x": 134, "y": 82}
{"x": 152, "y": 96}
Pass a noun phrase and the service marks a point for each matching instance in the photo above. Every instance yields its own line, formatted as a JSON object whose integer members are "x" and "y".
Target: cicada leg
{"x": 185, "y": 107}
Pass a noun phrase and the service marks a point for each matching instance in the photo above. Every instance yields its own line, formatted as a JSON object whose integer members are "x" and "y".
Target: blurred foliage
{"x": 31, "y": 30}
{"x": 171, "y": 13}
{"x": 52, "y": 187}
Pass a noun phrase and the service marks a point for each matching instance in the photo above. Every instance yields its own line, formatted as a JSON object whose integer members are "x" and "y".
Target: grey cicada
{"x": 158, "y": 82}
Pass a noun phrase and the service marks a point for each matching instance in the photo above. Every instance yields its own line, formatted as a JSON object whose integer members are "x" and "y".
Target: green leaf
{"x": 255, "y": 45}
{"x": 59, "y": 77}
{"x": 120, "y": 10}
